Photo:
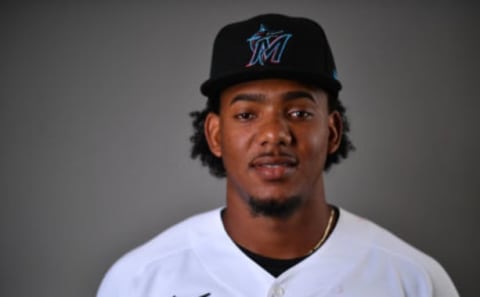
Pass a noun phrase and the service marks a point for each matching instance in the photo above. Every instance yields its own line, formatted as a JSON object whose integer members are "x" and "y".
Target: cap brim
{"x": 214, "y": 86}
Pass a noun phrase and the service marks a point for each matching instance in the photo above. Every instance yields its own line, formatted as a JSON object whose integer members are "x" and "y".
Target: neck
{"x": 282, "y": 238}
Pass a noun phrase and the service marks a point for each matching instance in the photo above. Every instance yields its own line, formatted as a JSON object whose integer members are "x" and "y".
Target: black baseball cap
{"x": 271, "y": 46}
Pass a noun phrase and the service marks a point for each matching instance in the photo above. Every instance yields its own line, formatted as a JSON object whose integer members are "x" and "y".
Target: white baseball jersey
{"x": 196, "y": 258}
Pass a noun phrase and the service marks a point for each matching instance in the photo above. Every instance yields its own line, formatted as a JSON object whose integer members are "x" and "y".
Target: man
{"x": 273, "y": 124}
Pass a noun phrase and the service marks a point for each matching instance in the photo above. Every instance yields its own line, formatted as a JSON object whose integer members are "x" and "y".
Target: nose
{"x": 275, "y": 130}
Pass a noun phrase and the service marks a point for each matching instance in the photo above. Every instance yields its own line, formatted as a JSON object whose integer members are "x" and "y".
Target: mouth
{"x": 274, "y": 167}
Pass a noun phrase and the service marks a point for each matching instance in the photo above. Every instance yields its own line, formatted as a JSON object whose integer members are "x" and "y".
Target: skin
{"x": 274, "y": 136}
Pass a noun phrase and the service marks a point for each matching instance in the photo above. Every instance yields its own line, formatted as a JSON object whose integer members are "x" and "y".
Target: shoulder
{"x": 382, "y": 246}
{"x": 367, "y": 234}
{"x": 159, "y": 253}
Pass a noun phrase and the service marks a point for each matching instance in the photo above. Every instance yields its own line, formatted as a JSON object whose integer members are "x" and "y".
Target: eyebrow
{"x": 248, "y": 97}
{"x": 297, "y": 95}
{"x": 288, "y": 96}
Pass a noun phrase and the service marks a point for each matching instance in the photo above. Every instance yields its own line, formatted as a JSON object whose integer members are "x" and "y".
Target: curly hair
{"x": 201, "y": 150}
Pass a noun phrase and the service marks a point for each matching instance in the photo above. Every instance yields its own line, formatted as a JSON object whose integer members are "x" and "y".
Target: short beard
{"x": 274, "y": 208}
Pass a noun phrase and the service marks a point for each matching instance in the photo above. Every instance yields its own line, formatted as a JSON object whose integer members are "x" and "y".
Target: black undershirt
{"x": 277, "y": 266}
{"x": 274, "y": 266}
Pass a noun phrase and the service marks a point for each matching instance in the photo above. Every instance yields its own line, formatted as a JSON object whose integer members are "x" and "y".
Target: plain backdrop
{"x": 94, "y": 128}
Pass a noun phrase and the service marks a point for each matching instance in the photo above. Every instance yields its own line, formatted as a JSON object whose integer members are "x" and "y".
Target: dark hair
{"x": 200, "y": 148}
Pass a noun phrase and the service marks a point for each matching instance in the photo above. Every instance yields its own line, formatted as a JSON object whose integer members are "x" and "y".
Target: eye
{"x": 300, "y": 114}
{"x": 244, "y": 116}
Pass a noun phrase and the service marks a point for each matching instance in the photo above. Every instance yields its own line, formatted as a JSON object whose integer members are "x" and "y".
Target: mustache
{"x": 271, "y": 156}
{"x": 275, "y": 153}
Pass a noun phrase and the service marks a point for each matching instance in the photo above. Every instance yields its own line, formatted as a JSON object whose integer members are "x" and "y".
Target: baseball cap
{"x": 271, "y": 46}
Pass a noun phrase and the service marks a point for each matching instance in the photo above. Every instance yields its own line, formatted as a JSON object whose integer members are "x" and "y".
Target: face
{"x": 273, "y": 137}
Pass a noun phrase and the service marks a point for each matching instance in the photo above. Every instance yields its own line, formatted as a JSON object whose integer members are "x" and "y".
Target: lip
{"x": 272, "y": 168}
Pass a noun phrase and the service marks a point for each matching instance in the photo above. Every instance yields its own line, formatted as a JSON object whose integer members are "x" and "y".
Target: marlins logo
{"x": 267, "y": 46}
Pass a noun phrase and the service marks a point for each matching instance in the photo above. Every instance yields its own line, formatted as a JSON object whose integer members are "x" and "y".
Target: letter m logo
{"x": 267, "y": 46}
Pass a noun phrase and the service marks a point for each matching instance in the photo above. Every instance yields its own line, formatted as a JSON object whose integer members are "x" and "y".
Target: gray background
{"x": 94, "y": 128}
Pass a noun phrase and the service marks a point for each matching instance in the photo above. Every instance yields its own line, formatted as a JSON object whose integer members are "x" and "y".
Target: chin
{"x": 274, "y": 207}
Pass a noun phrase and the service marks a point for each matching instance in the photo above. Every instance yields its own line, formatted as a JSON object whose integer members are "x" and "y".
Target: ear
{"x": 212, "y": 133}
{"x": 335, "y": 129}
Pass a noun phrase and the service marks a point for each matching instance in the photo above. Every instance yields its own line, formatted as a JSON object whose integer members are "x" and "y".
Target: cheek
{"x": 235, "y": 142}
{"x": 315, "y": 144}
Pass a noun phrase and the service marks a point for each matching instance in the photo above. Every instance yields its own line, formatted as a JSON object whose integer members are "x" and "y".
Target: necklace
{"x": 325, "y": 233}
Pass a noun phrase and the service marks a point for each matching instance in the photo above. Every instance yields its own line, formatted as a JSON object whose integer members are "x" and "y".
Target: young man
{"x": 272, "y": 125}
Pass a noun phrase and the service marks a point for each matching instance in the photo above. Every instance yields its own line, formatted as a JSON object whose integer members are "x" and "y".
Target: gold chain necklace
{"x": 325, "y": 233}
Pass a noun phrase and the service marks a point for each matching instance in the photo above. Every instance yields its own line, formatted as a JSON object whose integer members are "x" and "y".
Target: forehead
{"x": 273, "y": 88}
